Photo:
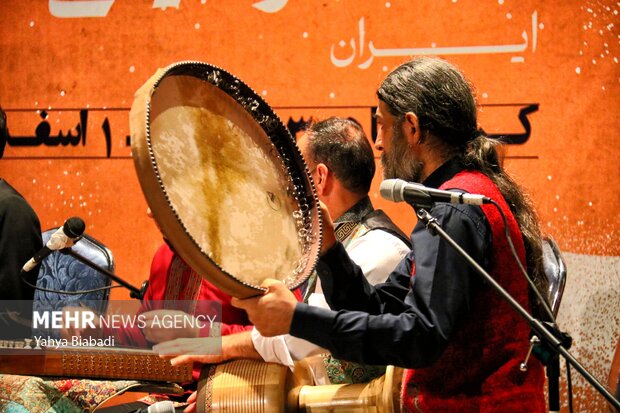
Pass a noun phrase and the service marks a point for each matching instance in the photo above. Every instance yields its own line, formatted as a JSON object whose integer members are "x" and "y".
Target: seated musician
{"x": 341, "y": 163}
{"x": 171, "y": 279}
{"x": 20, "y": 239}
{"x": 461, "y": 342}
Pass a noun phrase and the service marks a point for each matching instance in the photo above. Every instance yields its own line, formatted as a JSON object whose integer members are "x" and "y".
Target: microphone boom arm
{"x": 541, "y": 331}
{"x": 134, "y": 292}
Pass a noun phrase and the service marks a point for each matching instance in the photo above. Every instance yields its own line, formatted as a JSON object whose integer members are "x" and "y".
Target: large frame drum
{"x": 224, "y": 179}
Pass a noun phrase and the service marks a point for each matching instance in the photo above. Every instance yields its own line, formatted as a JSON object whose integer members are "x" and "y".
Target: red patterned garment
{"x": 172, "y": 279}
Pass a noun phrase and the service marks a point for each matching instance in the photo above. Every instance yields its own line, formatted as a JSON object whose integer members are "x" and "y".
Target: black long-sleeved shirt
{"x": 20, "y": 239}
{"x": 407, "y": 321}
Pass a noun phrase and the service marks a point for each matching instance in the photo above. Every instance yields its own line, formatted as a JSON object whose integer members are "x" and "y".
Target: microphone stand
{"x": 134, "y": 292}
{"x": 550, "y": 338}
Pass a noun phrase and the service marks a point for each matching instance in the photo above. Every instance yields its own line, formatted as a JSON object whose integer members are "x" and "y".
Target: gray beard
{"x": 399, "y": 162}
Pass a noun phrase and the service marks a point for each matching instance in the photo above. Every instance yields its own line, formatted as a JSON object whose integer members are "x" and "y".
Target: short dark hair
{"x": 342, "y": 145}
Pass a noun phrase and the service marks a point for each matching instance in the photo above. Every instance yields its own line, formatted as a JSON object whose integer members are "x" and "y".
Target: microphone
{"x": 397, "y": 190}
{"x": 66, "y": 236}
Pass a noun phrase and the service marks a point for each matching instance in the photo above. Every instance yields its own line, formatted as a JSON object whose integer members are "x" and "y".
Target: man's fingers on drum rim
{"x": 270, "y": 284}
{"x": 244, "y": 303}
{"x": 237, "y": 302}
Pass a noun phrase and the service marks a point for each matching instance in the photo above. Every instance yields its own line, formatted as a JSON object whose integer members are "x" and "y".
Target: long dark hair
{"x": 443, "y": 100}
{"x": 482, "y": 155}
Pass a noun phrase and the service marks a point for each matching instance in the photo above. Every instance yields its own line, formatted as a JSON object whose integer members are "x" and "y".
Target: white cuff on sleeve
{"x": 272, "y": 349}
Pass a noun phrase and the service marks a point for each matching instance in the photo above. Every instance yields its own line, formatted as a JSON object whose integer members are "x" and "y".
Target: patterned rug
{"x": 27, "y": 394}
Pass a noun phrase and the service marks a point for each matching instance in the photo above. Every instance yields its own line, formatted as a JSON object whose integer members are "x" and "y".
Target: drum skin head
{"x": 224, "y": 179}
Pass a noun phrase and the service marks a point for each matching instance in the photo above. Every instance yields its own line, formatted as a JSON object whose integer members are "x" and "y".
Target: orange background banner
{"x": 547, "y": 74}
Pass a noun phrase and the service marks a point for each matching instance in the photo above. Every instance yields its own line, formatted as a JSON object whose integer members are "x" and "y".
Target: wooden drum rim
{"x": 301, "y": 186}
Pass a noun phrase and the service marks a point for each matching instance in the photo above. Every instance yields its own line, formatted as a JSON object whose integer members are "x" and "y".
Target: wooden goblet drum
{"x": 224, "y": 179}
{"x": 250, "y": 386}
